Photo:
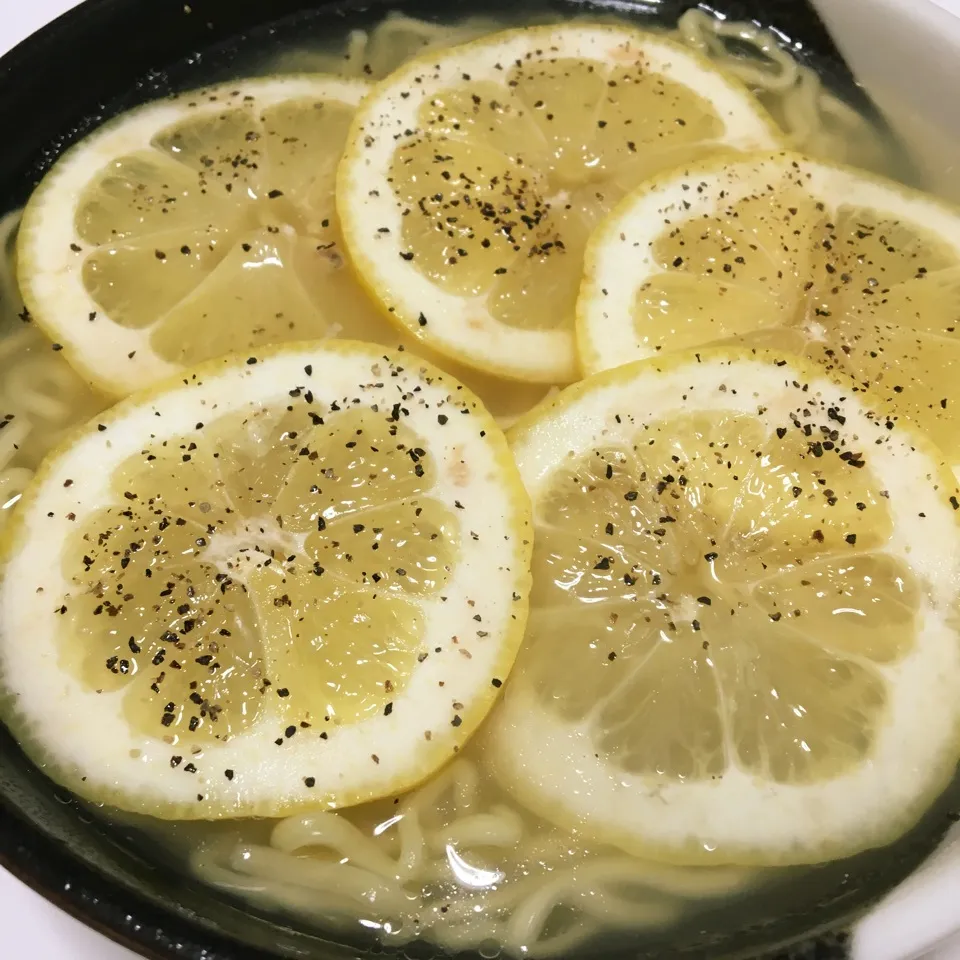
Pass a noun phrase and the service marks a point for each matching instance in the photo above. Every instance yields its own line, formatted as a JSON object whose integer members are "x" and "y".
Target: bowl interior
{"x": 109, "y": 56}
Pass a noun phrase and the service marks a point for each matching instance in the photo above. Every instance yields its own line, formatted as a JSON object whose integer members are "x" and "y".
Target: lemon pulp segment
{"x": 473, "y": 176}
{"x": 273, "y": 571}
{"x": 743, "y": 642}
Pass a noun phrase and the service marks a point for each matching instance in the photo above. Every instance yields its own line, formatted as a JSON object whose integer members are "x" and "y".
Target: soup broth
{"x": 459, "y": 865}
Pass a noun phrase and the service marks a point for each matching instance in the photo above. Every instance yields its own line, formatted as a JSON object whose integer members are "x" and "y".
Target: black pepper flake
{"x": 498, "y": 683}
{"x": 388, "y": 709}
{"x": 406, "y": 256}
{"x": 228, "y": 774}
{"x": 851, "y": 538}
{"x": 422, "y": 320}
{"x": 273, "y": 194}
{"x": 630, "y": 495}
{"x": 283, "y": 692}
{"x": 442, "y": 419}
{"x": 309, "y": 782}
{"x": 456, "y": 721}
{"x": 710, "y": 557}
{"x": 955, "y": 503}
{"x": 189, "y": 768}
{"x": 290, "y": 731}
{"x": 175, "y": 762}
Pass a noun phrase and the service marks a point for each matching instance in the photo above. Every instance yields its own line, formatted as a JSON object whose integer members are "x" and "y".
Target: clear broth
{"x": 702, "y": 911}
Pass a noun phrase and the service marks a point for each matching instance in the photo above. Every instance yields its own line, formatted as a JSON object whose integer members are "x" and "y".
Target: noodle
{"x": 814, "y": 120}
{"x": 373, "y": 54}
{"x": 430, "y": 878}
{"x": 40, "y": 395}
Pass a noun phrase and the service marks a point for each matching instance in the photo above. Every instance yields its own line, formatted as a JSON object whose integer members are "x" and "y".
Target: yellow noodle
{"x": 12, "y": 437}
{"x": 776, "y": 72}
{"x": 41, "y": 386}
{"x": 15, "y": 344}
{"x": 13, "y": 482}
{"x": 335, "y": 834}
{"x": 334, "y": 912}
{"x": 502, "y": 827}
{"x": 814, "y": 120}
{"x": 413, "y": 844}
{"x": 359, "y": 886}
{"x": 687, "y": 882}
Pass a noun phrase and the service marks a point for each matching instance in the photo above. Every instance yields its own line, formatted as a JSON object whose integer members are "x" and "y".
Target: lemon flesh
{"x": 743, "y": 642}
{"x": 264, "y": 597}
{"x": 473, "y": 177}
{"x": 856, "y": 272}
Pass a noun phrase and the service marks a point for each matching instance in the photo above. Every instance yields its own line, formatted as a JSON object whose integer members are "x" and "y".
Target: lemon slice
{"x": 858, "y": 272}
{"x": 473, "y": 175}
{"x": 291, "y": 579}
{"x": 194, "y": 226}
{"x": 743, "y": 641}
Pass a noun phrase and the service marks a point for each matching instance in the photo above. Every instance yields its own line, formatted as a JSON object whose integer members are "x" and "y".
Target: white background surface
{"x": 32, "y": 928}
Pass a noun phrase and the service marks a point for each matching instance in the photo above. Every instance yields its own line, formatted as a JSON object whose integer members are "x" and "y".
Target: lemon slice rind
{"x": 554, "y": 765}
{"x": 79, "y": 737}
{"x": 372, "y": 218}
{"x": 50, "y": 252}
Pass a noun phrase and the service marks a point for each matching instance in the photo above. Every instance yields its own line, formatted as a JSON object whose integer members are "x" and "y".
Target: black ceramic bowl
{"x": 106, "y": 56}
